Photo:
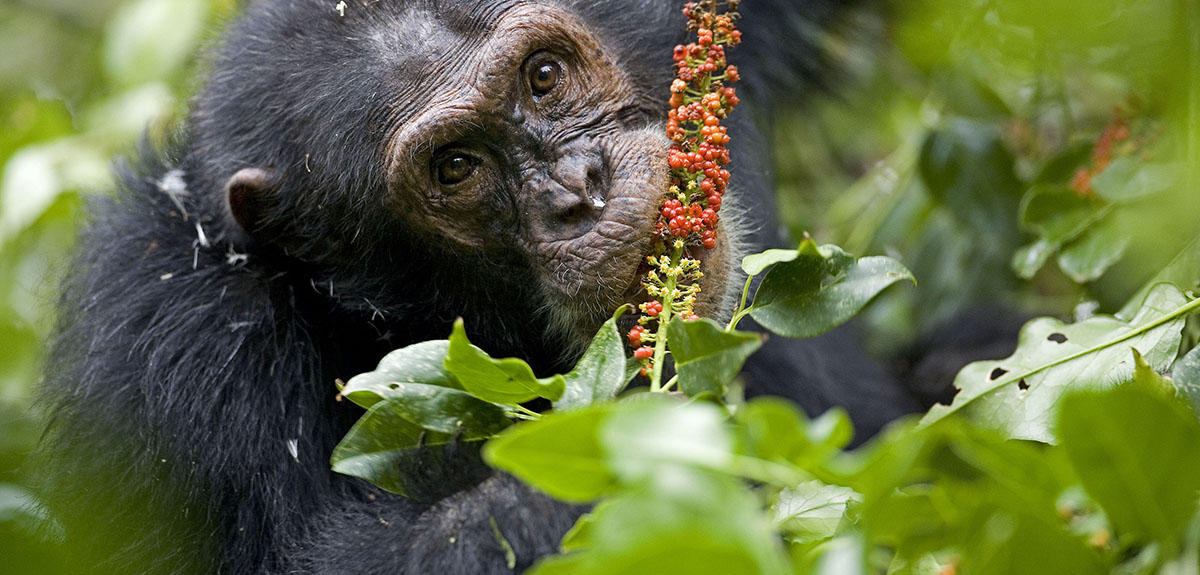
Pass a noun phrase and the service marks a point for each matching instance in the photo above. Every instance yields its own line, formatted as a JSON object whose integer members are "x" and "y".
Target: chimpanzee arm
{"x": 498, "y": 526}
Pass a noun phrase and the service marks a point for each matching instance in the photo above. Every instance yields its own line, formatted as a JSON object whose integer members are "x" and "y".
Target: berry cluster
{"x": 700, "y": 99}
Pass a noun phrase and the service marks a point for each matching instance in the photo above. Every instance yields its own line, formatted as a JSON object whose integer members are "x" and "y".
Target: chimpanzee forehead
{"x": 461, "y": 59}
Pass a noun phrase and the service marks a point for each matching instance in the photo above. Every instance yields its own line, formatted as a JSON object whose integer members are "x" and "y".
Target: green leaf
{"x": 1137, "y": 453}
{"x": 418, "y": 363}
{"x": 602, "y": 371}
{"x": 507, "y": 381}
{"x": 754, "y": 264}
{"x": 445, "y": 410}
{"x": 706, "y": 356}
{"x": 147, "y": 39}
{"x": 820, "y": 290}
{"x": 379, "y": 442}
{"x": 560, "y": 454}
{"x": 961, "y": 488}
{"x": 812, "y": 511}
{"x": 680, "y": 520}
{"x": 580, "y": 536}
{"x": 1058, "y": 214}
{"x": 1145, "y": 375}
{"x": 1186, "y": 377}
{"x": 1183, "y": 271}
{"x": 1027, "y": 260}
{"x": 646, "y": 434}
{"x": 844, "y": 555}
{"x": 1089, "y": 256}
{"x": 1020, "y": 394}
{"x": 775, "y": 430}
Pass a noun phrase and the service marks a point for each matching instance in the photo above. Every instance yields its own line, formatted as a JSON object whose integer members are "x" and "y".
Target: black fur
{"x": 191, "y": 378}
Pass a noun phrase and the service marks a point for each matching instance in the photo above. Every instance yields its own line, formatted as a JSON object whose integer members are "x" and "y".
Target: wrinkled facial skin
{"x": 534, "y": 146}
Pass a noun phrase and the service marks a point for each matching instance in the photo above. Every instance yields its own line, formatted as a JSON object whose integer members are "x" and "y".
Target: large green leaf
{"x": 560, "y": 454}
{"x": 418, "y": 363}
{"x": 507, "y": 381}
{"x": 380, "y": 441}
{"x": 775, "y": 430}
{"x": 648, "y": 433}
{"x": 602, "y": 371}
{"x": 706, "y": 356}
{"x": 1020, "y": 394}
{"x": 681, "y": 521}
{"x": 955, "y": 487}
{"x": 1137, "y": 452}
{"x": 821, "y": 289}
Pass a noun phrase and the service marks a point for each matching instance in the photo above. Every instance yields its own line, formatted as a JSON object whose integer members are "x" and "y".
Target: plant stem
{"x": 741, "y": 311}
{"x": 526, "y": 412}
{"x": 664, "y": 317}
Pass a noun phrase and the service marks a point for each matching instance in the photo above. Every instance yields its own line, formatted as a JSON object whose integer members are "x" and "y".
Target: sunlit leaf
{"x": 648, "y": 433}
{"x": 1138, "y": 455}
{"x": 681, "y": 520}
{"x": 508, "y": 381}
{"x": 1020, "y": 394}
{"x": 754, "y": 264}
{"x": 561, "y": 454}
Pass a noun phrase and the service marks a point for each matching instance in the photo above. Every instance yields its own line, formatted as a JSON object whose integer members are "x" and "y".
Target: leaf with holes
{"x": 1019, "y": 395}
{"x": 422, "y": 363}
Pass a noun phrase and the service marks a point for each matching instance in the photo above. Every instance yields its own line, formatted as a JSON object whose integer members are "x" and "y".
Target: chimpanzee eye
{"x": 544, "y": 75}
{"x": 455, "y": 168}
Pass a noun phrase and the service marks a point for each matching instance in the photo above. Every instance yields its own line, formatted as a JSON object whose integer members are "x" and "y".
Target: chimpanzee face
{"x": 515, "y": 134}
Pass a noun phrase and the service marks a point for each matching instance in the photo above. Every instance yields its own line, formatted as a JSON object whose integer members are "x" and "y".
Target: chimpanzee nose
{"x": 573, "y": 192}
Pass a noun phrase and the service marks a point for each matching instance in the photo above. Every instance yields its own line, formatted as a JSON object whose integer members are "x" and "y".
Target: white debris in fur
{"x": 233, "y": 258}
{"x": 174, "y": 187}
{"x": 293, "y": 447}
{"x": 341, "y": 9}
{"x": 201, "y": 237}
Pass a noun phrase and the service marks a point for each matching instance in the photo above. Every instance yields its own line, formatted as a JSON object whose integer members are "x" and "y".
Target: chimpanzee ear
{"x": 248, "y": 195}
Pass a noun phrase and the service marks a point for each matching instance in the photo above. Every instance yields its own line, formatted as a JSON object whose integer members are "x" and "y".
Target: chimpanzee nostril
{"x": 597, "y": 186}
{"x": 581, "y": 174}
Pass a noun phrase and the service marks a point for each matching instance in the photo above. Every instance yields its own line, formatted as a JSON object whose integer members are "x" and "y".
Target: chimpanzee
{"x": 352, "y": 178}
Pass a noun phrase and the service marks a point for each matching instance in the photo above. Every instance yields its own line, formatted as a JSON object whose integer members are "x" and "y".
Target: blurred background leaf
{"x": 955, "y": 111}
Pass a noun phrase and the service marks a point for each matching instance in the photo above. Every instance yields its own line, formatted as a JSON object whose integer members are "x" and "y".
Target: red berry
{"x": 643, "y": 352}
